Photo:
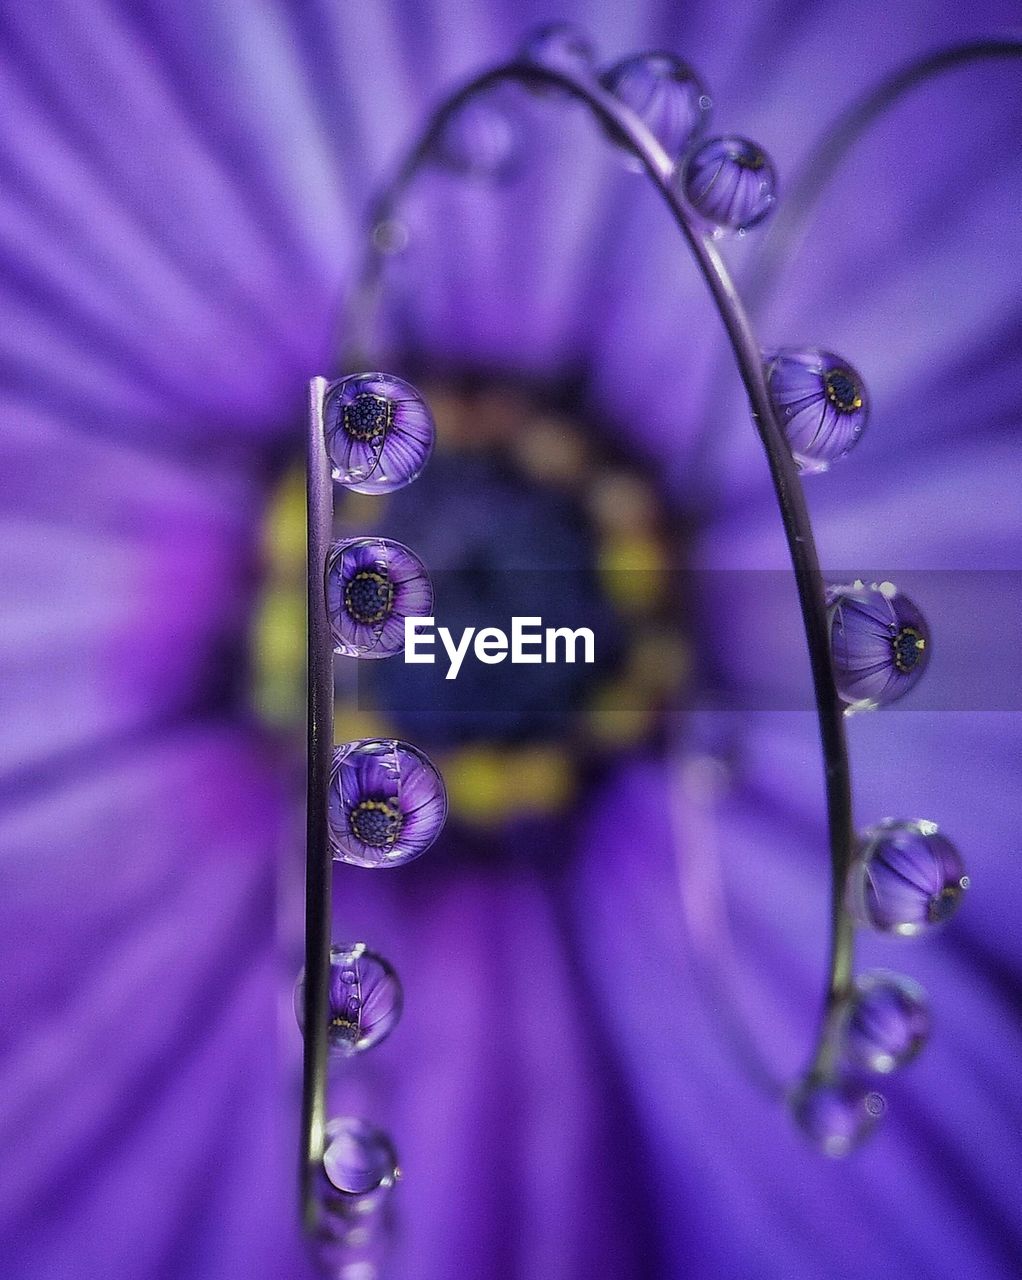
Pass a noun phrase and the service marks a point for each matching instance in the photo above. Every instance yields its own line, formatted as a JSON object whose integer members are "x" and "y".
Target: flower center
{"x": 369, "y": 596}
{"x": 368, "y": 417}
{"x": 748, "y": 158}
{"x": 908, "y": 646}
{"x": 346, "y": 1026}
{"x": 376, "y": 823}
{"x": 942, "y": 904}
{"x": 843, "y": 391}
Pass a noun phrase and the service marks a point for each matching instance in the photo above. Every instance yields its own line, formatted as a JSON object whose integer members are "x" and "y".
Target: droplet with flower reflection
{"x": 731, "y": 182}
{"x": 820, "y": 402}
{"x": 379, "y": 432}
{"x": 359, "y": 1159}
{"x": 372, "y": 585}
{"x": 836, "y": 1115}
{"x": 907, "y": 877}
{"x": 886, "y": 1023}
{"x": 880, "y": 643}
{"x": 562, "y": 46}
{"x": 387, "y": 803}
{"x": 480, "y": 140}
{"x": 364, "y": 999}
{"x": 666, "y": 93}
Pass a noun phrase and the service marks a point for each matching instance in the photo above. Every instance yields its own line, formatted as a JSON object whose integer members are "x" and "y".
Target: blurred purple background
{"x": 181, "y": 188}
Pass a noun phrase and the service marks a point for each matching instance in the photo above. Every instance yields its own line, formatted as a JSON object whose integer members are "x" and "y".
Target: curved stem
{"x": 630, "y": 130}
{"x": 788, "y": 225}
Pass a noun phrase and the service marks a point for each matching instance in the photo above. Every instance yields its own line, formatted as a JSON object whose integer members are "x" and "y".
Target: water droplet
{"x": 820, "y": 402}
{"x": 731, "y": 182}
{"x": 390, "y": 236}
{"x": 886, "y": 1022}
{"x": 372, "y": 585}
{"x": 481, "y": 140}
{"x": 356, "y": 1021}
{"x": 666, "y": 93}
{"x": 907, "y": 877}
{"x": 836, "y": 1115}
{"x": 562, "y": 46}
{"x": 387, "y": 803}
{"x": 379, "y": 432}
{"x": 880, "y": 644}
{"x": 359, "y": 1159}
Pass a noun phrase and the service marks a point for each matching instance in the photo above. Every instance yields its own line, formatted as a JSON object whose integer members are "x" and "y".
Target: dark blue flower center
{"x": 908, "y": 646}
{"x": 348, "y": 1027}
{"x": 368, "y": 417}
{"x": 748, "y": 158}
{"x": 369, "y": 596}
{"x": 942, "y": 904}
{"x": 843, "y": 391}
{"x": 376, "y": 823}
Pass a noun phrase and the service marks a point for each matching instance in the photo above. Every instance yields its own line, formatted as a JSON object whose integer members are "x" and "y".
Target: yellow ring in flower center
{"x": 842, "y": 390}
{"x": 369, "y": 596}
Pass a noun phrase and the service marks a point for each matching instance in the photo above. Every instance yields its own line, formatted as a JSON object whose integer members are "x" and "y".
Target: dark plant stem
{"x": 318, "y": 861}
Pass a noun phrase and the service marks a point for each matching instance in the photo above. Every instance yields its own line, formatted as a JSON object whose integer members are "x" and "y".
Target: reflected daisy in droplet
{"x": 731, "y": 182}
{"x": 907, "y": 877}
{"x": 821, "y": 404}
{"x": 365, "y": 999}
{"x": 387, "y": 803}
{"x": 372, "y": 585}
{"x": 886, "y": 1023}
{"x": 880, "y": 644}
{"x": 666, "y": 93}
{"x": 379, "y": 432}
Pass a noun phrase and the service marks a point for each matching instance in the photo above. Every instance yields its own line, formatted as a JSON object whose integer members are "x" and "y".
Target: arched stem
{"x": 788, "y": 225}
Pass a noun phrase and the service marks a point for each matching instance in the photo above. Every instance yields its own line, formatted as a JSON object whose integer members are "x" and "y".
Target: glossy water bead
{"x": 562, "y": 46}
{"x": 907, "y": 877}
{"x": 836, "y": 1114}
{"x": 731, "y": 182}
{"x": 820, "y": 402}
{"x": 665, "y": 93}
{"x": 379, "y": 432}
{"x": 359, "y": 1159}
{"x": 886, "y": 1023}
{"x": 364, "y": 1001}
{"x": 480, "y": 140}
{"x": 387, "y": 803}
{"x": 372, "y": 585}
{"x": 880, "y": 643}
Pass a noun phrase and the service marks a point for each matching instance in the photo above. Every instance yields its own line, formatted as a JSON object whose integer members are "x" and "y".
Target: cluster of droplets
{"x": 907, "y": 879}
{"x": 387, "y": 803}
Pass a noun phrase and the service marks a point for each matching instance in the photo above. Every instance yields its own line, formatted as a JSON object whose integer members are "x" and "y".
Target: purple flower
{"x": 907, "y": 878}
{"x": 365, "y": 999}
{"x": 880, "y": 644}
{"x": 731, "y": 182}
{"x": 887, "y": 1023}
{"x": 387, "y": 803}
{"x": 379, "y": 432}
{"x": 666, "y": 93}
{"x": 821, "y": 403}
{"x": 181, "y": 194}
{"x": 372, "y": 585}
